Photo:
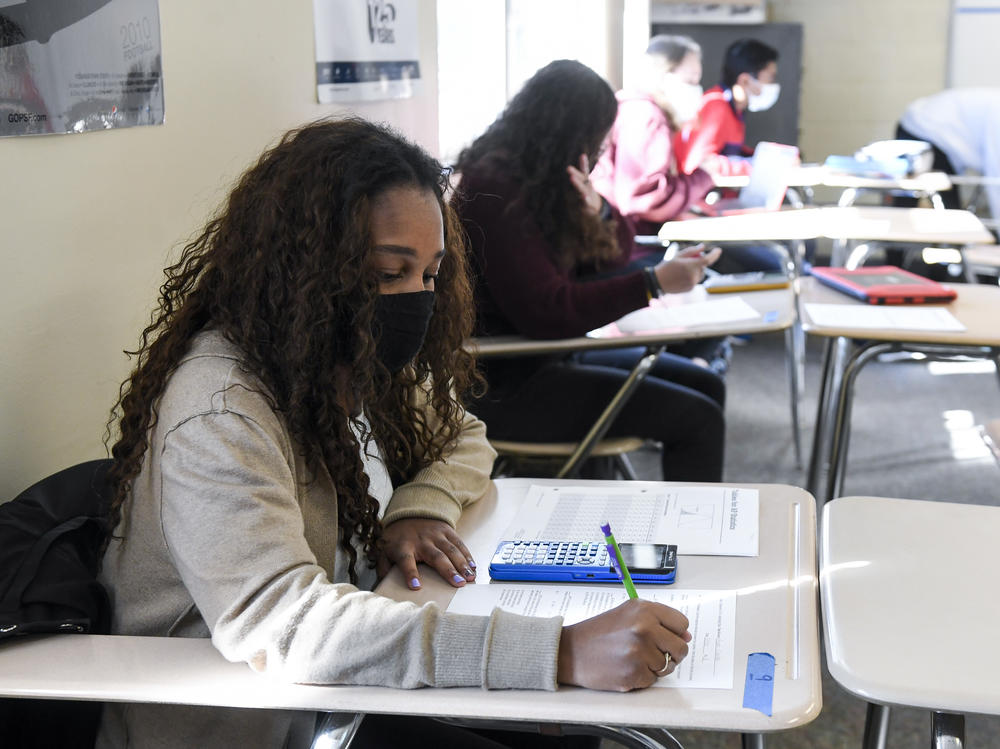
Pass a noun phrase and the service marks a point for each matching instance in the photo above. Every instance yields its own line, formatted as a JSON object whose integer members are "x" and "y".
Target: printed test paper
{"x": 720, "y": 520}
{"x": 711, "y": 613}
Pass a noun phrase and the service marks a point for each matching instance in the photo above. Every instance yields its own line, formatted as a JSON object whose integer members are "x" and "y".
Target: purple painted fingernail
{"x": 458, "y": 579}
{"x": 415, "y": 583}
{"x": 472, "y": 563}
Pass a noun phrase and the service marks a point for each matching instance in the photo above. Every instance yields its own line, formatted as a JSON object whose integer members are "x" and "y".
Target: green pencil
{"x": 616, "y": 554}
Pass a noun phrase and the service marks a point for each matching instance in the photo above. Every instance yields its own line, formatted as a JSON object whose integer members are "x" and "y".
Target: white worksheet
{"x": 711, "y": 312}
{"x": 883, "y": 317}
{"x": 711, "y": 615}
{"x": 719, "y": 520}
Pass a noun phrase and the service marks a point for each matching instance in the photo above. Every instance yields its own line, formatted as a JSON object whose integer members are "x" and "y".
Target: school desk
{"x": 909, "y": 610}
{"x": 777, "y": 312}
{"x": 849, "y": 349}
{"x": 776, "y": 613}
{"x": 928, "y": 184}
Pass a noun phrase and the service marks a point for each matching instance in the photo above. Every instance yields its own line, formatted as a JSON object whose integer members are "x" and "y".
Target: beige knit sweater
{"x": 229, "y": 537}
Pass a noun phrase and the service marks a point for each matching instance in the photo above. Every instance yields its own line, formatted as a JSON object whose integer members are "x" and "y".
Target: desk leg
{"x": 841, "y": 433}
{"x": 337, "y": 730}
{"x": 936, "y": 200}
{"x": 822, "y": 418}
{"x": 752, "y": 741}
{"x": 857, "y": 256}
{"x": 876, "y": 727}
{"x": 794, "y": 357}
{"x": 847, "y": 197}
{"x": 968, "y": 273}
{"x": 607, "y": 417}
{"x": 839, "y": 251}
{"x": 948, "y": 731}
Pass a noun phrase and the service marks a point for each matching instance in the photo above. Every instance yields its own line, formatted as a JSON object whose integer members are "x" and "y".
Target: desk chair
{"x": 614, "y": 450}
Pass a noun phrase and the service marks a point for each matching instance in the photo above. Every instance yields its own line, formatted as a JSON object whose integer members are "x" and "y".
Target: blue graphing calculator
{"x": 581, "y": 561}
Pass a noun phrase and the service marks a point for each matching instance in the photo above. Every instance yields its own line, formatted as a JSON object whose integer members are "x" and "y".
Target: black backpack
{"x": 50, "y": 541}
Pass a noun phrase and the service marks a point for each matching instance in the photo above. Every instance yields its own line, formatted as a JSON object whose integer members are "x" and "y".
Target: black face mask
{"x": 402, "y": 320}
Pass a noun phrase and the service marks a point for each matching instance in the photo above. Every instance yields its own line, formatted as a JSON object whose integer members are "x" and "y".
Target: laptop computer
{"x": 884, "y": 284}
{"x": 768, "y": 182}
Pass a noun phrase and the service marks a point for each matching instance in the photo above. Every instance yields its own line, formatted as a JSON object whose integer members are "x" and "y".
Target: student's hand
{"x": 686, "y": 269}
{"x": 623, "y": 649}
{"x": 411, "y": 540}
{"x": 581, "y": 181}
{"x": 712, "y": 166}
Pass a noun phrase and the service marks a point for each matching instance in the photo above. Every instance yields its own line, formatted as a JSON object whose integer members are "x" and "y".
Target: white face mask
{"x": 684, "y": 98}
{"x": 765, "y": 99}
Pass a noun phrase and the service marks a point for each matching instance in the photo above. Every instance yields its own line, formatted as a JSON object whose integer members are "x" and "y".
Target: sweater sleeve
{"x": 235, "y": 531}
{"x": 526, "y": 286}
{"x": 444, "y": 488}
{"x": 643, "y": 182}
{"x": 704, "y": 143}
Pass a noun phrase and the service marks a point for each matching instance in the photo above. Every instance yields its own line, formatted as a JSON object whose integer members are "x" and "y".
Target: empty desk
{"x": 910, "y": 608}
{"x": 975, "y": 308}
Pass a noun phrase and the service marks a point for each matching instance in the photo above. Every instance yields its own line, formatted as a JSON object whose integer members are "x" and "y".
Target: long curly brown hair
{"x": 284, "y": 271}
{"x": 564, "y": 110}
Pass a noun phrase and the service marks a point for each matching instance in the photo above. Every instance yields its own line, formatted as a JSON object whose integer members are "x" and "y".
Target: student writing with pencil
{"x": 293, "y": 427}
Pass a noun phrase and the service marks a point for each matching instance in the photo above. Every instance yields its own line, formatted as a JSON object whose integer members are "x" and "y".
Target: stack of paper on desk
{"x": 871, "y": 317}
{"x": 698, "y": 519}
{"x": 662, "y": 317}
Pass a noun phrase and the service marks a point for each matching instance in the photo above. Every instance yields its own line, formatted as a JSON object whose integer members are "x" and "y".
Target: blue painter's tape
{"x": 759, "y": 689}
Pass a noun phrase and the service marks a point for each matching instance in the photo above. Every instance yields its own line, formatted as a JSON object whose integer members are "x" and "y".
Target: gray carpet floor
{"x": 913, "y": 437}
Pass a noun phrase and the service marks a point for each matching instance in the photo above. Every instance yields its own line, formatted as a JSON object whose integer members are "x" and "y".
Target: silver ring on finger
{"x": 666, "y": 665}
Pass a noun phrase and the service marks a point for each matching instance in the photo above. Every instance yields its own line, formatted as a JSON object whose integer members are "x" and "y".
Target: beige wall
{"x": 863, "y": 62}
{"x": 88, "y": 220}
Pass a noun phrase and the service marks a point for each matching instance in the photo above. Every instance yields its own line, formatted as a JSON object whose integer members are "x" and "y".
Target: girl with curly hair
{"x": 292, "y": 428}
{"x": 549, "y": 255}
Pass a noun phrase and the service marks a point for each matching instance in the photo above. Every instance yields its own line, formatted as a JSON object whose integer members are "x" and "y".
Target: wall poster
{"x": 70, "y": 66}
{"x": 366, "y": 49}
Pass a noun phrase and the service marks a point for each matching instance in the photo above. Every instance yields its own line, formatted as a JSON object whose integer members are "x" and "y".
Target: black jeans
{"x": 679, "y": 404}
{"x": 381, "y": 731}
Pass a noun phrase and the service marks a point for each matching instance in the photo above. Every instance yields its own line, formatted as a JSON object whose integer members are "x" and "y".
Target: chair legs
{"x": 624, "y": 466}
{"x": 336, "y": 730}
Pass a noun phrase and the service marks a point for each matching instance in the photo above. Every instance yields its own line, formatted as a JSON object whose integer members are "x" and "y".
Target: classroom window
{"x": 489, "y": 48}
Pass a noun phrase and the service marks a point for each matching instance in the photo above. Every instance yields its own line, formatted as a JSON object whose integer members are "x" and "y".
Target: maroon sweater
{"x": 520, "y": 289}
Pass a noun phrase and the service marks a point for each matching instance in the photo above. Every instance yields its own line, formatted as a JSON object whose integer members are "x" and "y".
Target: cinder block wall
{"x": 863, "y": 62}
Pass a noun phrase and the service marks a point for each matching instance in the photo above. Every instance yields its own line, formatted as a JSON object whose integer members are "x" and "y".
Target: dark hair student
{"x": 748, "y": 56}
{"x": 294, "y": 426}
{"x": 549, "y": 255}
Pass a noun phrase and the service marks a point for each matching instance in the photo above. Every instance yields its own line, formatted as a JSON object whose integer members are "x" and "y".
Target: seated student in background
{"x": 537, "y": 231}
{"x": 637, "y": 172}
{"x": 963, "y": 127}
{"x": 293, "y": 425}
{"x": 717, "y": 137}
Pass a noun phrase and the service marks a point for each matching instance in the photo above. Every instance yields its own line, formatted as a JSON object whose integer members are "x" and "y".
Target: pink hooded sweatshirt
{"x": 637, "y": 173}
